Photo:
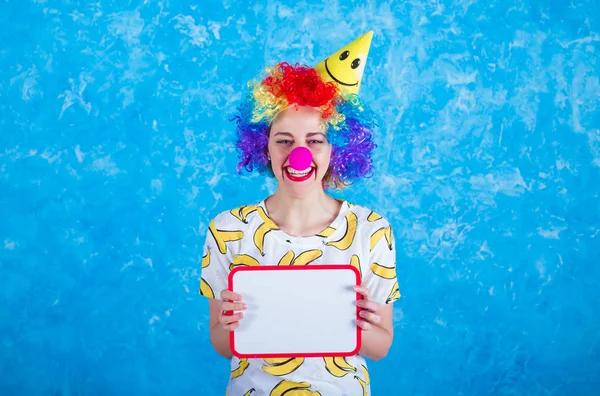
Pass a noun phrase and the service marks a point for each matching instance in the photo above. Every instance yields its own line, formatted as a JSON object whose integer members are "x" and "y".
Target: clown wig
{"x": 348, "y": 123}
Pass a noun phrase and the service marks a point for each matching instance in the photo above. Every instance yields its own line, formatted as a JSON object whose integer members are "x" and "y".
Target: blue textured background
{"x": 115, "y": 151}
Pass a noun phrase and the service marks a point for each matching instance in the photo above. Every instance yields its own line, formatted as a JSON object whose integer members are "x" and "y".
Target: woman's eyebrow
{"x": 310, "y": 134}
{"x": 314, "y": 133}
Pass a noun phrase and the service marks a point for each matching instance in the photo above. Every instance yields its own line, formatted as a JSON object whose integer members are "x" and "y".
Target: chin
{"x": 300, "y": 191}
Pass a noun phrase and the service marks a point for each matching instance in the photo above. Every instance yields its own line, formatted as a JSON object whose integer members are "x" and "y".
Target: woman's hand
{"x": 231, "y": 304}
{"x": 369, "y": 310}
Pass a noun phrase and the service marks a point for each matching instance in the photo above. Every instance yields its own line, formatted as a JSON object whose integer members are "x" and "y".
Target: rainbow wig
{"x": 349, "y": 124}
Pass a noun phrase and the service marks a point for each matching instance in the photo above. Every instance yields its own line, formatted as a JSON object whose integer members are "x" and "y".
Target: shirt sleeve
{"x": 216, "y": 259}
{"x": 380, "y": 277}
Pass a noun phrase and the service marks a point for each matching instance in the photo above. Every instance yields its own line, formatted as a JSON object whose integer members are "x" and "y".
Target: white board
{"x": 304, "y": 311}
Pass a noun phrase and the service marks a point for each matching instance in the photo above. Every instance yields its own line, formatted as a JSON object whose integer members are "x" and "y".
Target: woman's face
{"x": 299, "y": 127}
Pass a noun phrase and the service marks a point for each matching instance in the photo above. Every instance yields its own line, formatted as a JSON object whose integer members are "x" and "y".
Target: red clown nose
{"x": 300, "y": 158}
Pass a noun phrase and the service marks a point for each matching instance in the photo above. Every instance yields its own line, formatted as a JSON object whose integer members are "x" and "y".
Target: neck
{"x": 302, "y": 215}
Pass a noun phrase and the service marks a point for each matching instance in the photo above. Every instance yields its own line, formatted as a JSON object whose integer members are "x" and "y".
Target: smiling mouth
{"x": 335, "y": 79}
{"x": 299, "y": 176}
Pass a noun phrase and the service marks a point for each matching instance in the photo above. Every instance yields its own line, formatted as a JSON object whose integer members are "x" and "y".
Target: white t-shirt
{"x": 247, "y": 236}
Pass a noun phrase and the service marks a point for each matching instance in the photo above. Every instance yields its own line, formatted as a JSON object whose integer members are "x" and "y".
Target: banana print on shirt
{"x": 394, "y": 294}
{"x": 346, "y": 241}
{"x": 380, "y": 233}
{"x": 373, "y": 217}
{"x": 283, "y": 366}
{"x": 303, "y": 258}
{"x": 206, "y": 259}
{"x": 247, "y": 236}
{"x": 205, "y": 289}
{"x": 243, "y": 212}
{"x": 326, "y": 232}
{"x": 384, "y": 272}
{"x": 366, "y": 382}
{"x": 221, "y": 237}
{"x": 243, "y": 260}
{"x": 338, "y": 366}
{"x": 290, "y": 388}
{"x": 355, "y": 262}
{"x": 267, "y": 226}
{"x": 243, "y": 365}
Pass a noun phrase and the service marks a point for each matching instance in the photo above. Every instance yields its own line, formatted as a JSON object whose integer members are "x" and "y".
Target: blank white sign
{"x": 291, "y": 311}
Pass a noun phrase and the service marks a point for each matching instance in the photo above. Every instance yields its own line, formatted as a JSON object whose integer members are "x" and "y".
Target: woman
{"x": 293, "y": 109}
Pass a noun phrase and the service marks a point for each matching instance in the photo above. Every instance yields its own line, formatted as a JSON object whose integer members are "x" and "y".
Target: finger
{"x": 363, "y": 325}
{"x": 363, "y": 291}
{"x": 370, "y": 316}
{"x": 230, "y": 306}
{"x": 368, "y": 305}
{"x": 228, "y": 319}
{"x": 230, "y": 296}
{"x": 232, "y": 326}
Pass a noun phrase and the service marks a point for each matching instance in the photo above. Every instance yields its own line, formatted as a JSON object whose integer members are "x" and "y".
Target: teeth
{"x": 298, "y": 173}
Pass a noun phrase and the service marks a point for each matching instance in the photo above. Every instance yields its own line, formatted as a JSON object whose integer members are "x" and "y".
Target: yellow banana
{"x": 373, "y": 217}
{"x": 394, "y": 294}
{"x": 206, "y": 260}
{"x": 366, "y": 381}
{"x": 263, "y": 215}
{"x": 290, "y": 388}
{"x": 308, "y": 257}
{"x": 259, "y": 236}
{"x": 337, "y": 366}
{"x": 355, "y": 262}
{"x": 248, "y": 393}
{"x": 205, "y": 289}
{"x": 267, "y": 226}
{"x": 303, "y": 258}
{"x": 376, "y": 237}
{"x": 246, "y": 210}
{"x": 287, "y": 258}
{"x": 242, "y": 212}
{"x": 366, "y": 373}
{"x": 284, "y": 368}
{"x": 343, "y": 364}
{"x": 237, "y": 213}
{"x": 363, "y": 384}
{"x": 243, "y": 260}
{"x": 326, "y": 232}
{"x": 275, "y": 361}
{"x": 380, "y": 233}
{"x": 224, "y": 236}
{"x": 384, "y": 272}
{"x": 241, "y": 368}
{"x": 346, "y": 241}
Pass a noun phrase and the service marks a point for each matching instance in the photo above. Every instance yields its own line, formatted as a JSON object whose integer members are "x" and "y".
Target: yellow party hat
{"x": 345, "y": 67}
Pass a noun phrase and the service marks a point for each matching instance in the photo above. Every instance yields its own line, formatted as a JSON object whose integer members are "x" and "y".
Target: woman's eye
{"x": 316, "y": 141}
{"x": 283, "y": 141}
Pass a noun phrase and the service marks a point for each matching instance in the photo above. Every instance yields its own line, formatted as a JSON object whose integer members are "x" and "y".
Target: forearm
{"x": 375, "y": 343}
{"x": 219, "y": 338}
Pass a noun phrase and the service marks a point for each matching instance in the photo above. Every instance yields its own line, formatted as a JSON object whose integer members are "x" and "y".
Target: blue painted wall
{"x": 115, "y": 151}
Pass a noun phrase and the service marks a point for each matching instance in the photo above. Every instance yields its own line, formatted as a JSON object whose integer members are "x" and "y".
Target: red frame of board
{"x": 297, "y": 268}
